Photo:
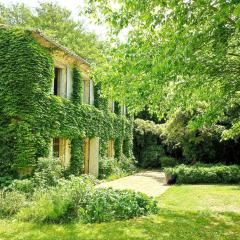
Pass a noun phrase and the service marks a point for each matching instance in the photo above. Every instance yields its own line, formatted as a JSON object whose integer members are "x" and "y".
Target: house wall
{"x": 29, "y": 128}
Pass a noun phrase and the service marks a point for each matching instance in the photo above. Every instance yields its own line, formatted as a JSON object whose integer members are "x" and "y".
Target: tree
{"x": 56, "y": 22}
{"x": 178, "y": 55}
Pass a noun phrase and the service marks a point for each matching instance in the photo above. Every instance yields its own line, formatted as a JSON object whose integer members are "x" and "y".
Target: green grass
{"x": 187, "y": 212}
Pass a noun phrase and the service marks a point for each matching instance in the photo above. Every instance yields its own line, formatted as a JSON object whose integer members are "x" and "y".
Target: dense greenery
{"x": 49, "y": 197}
{"x": 112, "y": 167}
{"x": 173, "y": 138}
{"x": 177, "y": 56}
{"x": 186, "y": 212}
{"x": 31, "y": 116}
{"x": 57, "y": 22}
{"x": 205, "y": 174}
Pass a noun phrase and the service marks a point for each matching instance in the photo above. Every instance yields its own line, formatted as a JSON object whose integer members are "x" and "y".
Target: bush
{"x": 48, "y": 172}
{"x": 77, "y": 199}
{"x": 57, "y": 204}
{"x": 203, "y": 173}
{"x": 108, "y": 166}
{"x": 152, "y": 155}
{"x": 109, "y": 204}
{"x": 5, "y": 181}
{"x": 24, "y": 185}
{"x": 11, "y": 202}
{"x": 168, "y": 162}
{"x": 112, "y": 166}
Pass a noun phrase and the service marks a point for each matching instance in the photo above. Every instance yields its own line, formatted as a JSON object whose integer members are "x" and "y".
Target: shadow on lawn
{"x": 172, "y": 225}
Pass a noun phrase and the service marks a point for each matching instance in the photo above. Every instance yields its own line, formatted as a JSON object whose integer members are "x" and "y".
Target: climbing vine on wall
{"x": 31, "y": 116}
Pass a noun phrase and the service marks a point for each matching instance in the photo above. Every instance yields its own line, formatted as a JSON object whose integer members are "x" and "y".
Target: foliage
{"x": 185, "y": 211}
{"x": 176, "y": 55}
{"x": 167, "y": 161}
{"x": 26, "y": 129}
{"x": 57, "y": 22}
{"x": 77, "y": 87}
{"x": 77, "y": 198}
{"x": 196, "y": 145}
{"x": 47, "y": 172}
{"x": 145, "y": 126}
{"x": 22, "y": 186}
{"x": 5, "y": 181}
{"x": 148, "y": 146}
{"x": 152, "y": 156}
{"x": 201, "y": 173}
{"x": 108, "y": 204}
{"x": 11, "y": 202}
{"x": 113, "y": 166}
{"x": 108, "y": 166}
{"x": 187, "y": 146}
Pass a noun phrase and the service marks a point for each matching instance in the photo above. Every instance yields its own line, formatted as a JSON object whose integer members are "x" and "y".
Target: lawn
{"x": 187, "y": 212}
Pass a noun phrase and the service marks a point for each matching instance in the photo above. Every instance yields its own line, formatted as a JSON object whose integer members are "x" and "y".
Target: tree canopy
{"x": 58, "y": 23}
{"x": 181, "y": 54}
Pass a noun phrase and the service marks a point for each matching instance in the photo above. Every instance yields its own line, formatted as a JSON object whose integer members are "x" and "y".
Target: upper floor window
{"x": 88, "y": 94}
{"x": 111, "y": 106}
{"x": 57, "y": 81}
{"x": 62, "y": 83}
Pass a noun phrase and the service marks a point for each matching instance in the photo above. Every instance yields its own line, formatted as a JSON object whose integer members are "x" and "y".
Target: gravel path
{"x": 151, "y": 183}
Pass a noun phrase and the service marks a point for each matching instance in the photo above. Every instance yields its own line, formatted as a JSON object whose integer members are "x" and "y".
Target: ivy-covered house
{"x": 49, "y": 107}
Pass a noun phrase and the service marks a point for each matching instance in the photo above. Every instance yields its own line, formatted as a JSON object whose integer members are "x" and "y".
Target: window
{"x": 61, "y": 81}
{"x": 56, "y": 147}
{"x": 91, "y": 93}
{"x": 88, "y": 94}
{"x": 111, "y": 106}
{"x": 61, "y": 148}
{"x": 57, "y": 78}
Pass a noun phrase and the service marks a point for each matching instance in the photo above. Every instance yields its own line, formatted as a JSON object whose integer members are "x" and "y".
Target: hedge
{"x": 204, "y": 173}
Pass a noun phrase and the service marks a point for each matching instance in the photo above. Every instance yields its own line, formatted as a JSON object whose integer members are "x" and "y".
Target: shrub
{"x": 167, "y": 161}
{"x": 24, "y": 185}
{"x": 151, "y": 156}
{"x": 48, "y": 172}
{"x": 11, "y": 202}
{"x": 5, "y": 181}
{"x": 57, "y": 204}
{"x": 127, "y": 164}
{"x": 77, "y": 199}
{"x": 203, "y": 173}
{"x": 108, "y": 166}
{"x": 112, "y": 166}
{"x": 109, "y": 204}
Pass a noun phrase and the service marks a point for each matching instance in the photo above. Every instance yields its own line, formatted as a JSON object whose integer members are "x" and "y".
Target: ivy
{"x": 77, "y": 93}
{"x": 31, "y": 116}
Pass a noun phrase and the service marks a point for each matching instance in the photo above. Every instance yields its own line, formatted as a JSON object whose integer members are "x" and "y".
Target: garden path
{"x": 151, "y": 183}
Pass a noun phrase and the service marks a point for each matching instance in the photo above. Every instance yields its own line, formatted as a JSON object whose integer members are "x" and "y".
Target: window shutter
{"x": 69, "y": 82}
{"x": 91, "y": 93}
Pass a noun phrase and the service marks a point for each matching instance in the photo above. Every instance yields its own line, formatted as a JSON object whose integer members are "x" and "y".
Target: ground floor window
{"x": 56, "y": 147}
{"x": 61, "y": 148}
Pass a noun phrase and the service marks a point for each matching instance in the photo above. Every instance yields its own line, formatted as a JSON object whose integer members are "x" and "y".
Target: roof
{"x": 61, "y": 47}
{"x": 55, "y": 43}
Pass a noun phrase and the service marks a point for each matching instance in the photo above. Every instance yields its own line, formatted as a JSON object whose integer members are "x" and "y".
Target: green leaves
{"x": 177, "y": 55}
{"x": 30, "y": 116}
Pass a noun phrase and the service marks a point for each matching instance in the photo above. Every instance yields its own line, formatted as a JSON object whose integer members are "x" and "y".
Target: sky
{"x": 72, "y": 5}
